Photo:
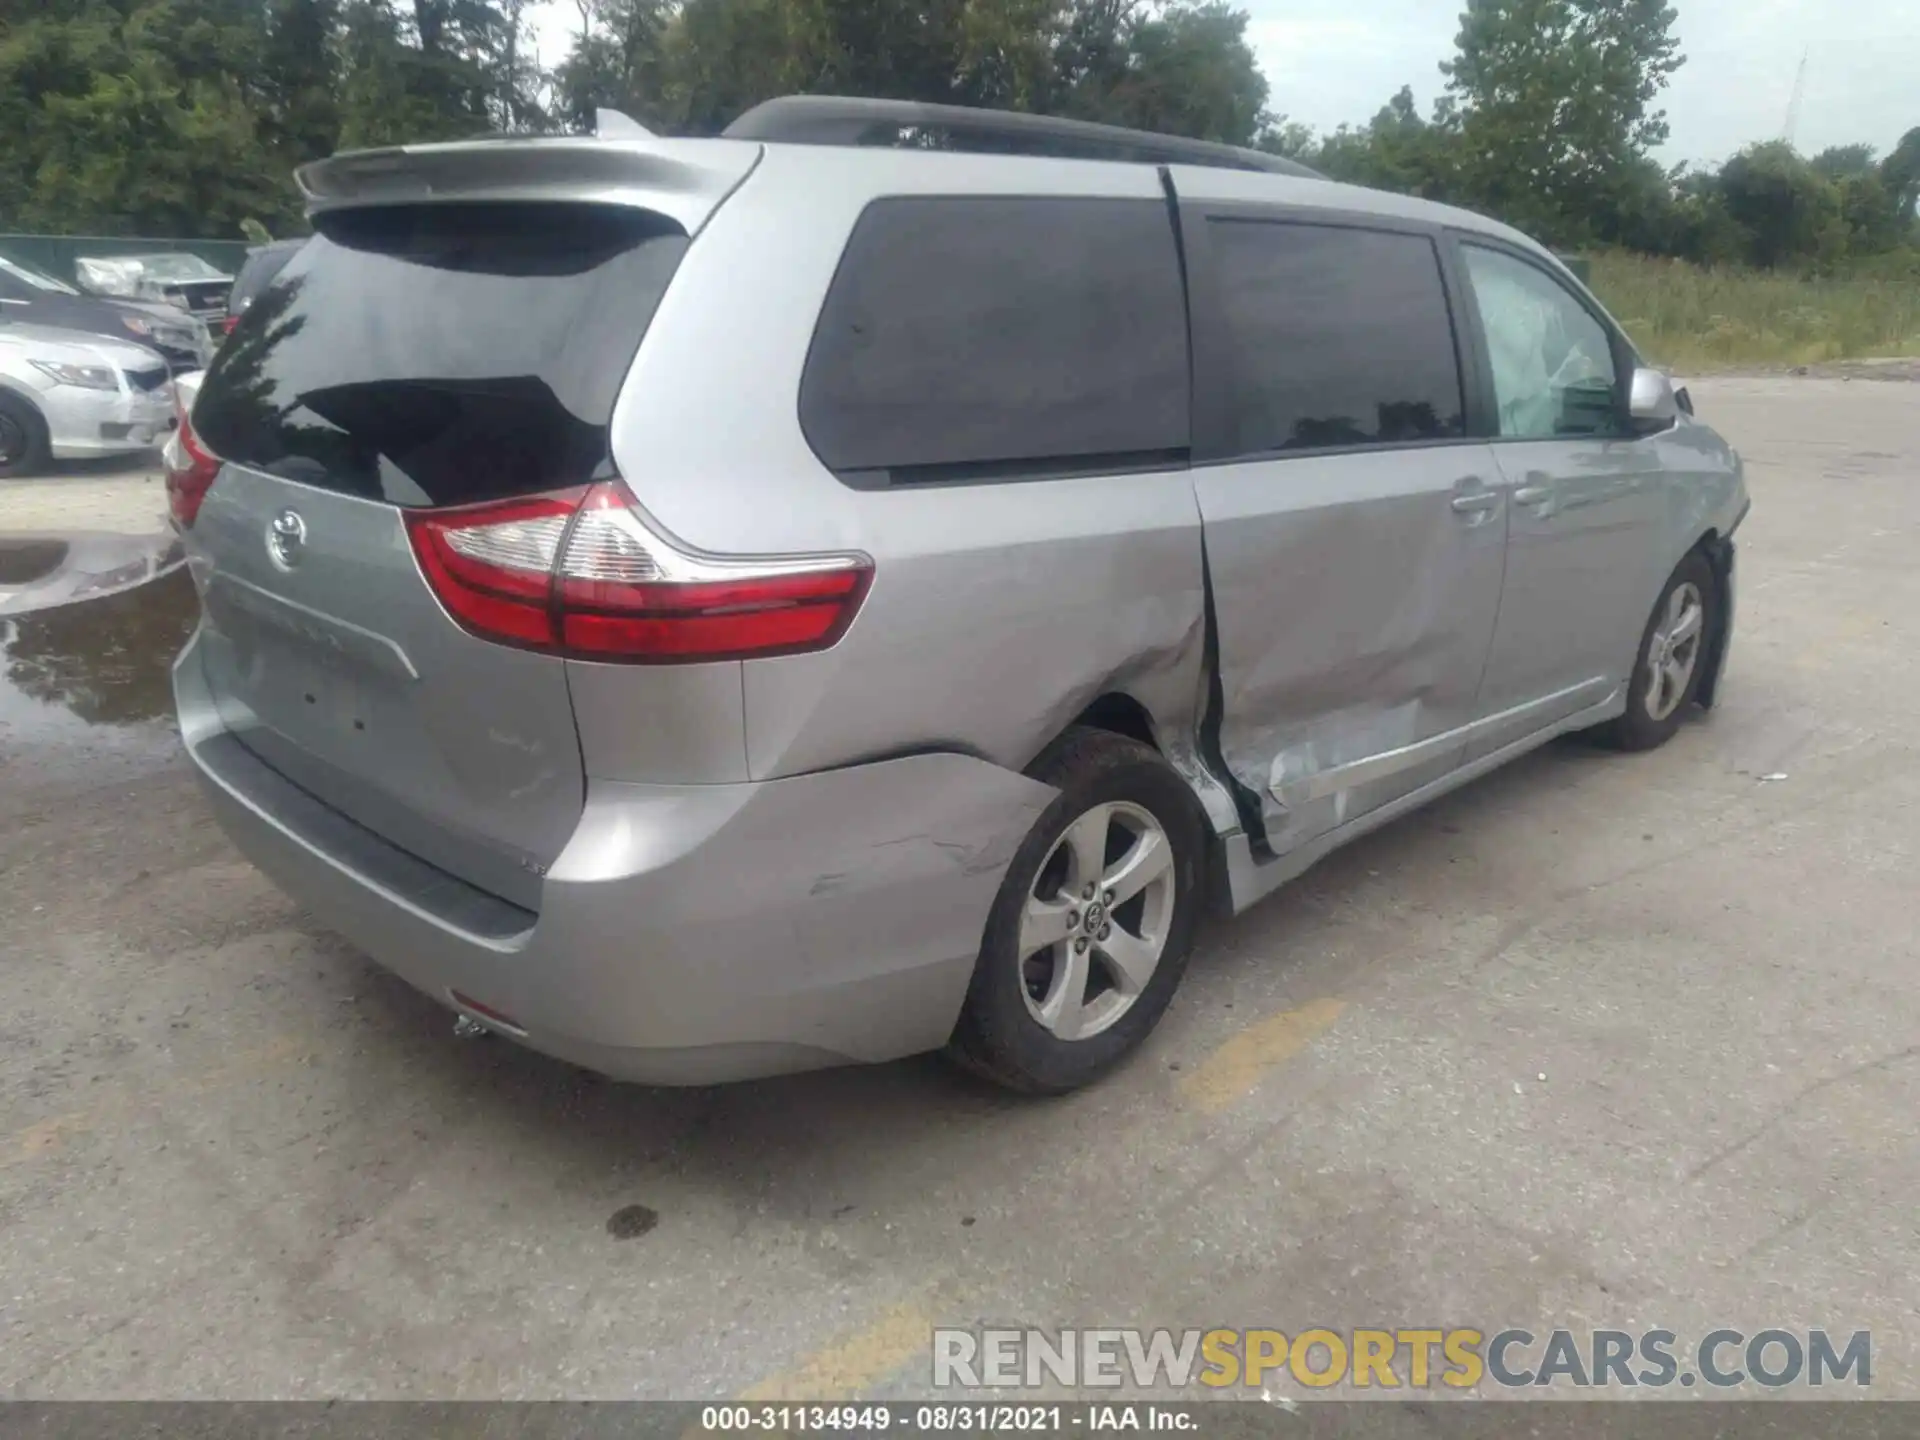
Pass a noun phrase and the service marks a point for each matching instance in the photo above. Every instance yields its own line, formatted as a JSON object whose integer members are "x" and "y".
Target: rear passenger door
{"x": 1354, "y": 533}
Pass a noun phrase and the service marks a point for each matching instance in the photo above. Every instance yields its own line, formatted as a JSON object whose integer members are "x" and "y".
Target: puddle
{"x": 22, "y": 562}
{"x": 93, "y": 675}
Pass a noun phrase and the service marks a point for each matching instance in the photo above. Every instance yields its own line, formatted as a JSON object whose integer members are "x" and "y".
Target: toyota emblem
{"x": 286, "y": 538}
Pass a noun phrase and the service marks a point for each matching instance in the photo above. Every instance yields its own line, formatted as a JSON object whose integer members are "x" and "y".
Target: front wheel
{"x": 23, "y": 438}
{"x": 1091, "y": 930}
{"x": 1672, "y": 658}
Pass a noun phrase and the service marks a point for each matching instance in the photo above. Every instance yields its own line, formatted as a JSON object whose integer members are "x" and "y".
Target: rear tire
{"x": 1069, "y": 982}
{"x": 1667, "y": 672}
{"x": 23, "y": 439}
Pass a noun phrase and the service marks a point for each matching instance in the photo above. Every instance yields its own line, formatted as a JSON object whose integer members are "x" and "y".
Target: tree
{"x": 694, "y": 65}
{"x": 1556, "y": 102}
{"x": 1900, "y": 174}
{"x": 1838, "y": 162}
{"x": 300, "y": 111}
{"x": 1787, "y": 209}
{"x": 1187, "y": 70}
{"x": 1398, "y": 150}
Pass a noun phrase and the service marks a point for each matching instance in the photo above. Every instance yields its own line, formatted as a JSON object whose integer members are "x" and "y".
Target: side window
{"x": 1553, "y": 371}
{"x": 984, "y": 337}
{"x": 1335, "y": 336}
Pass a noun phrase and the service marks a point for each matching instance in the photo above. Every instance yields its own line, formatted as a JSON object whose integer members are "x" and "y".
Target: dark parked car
{"x": 31, "y": 296}
{"x": 264, "y": 262}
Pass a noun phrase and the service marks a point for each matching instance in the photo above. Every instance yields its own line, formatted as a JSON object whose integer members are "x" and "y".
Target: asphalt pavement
{"x": 1601, "y": 1041}
{"x": 119, "y": 495}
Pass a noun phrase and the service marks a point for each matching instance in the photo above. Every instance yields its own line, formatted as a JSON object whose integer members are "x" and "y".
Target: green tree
{"x": 1398, "y": 150}
{"x": 1839, "y": 162}
{"x": 1184, "y": 70}
{"x": 1789, "y": 212}
{"x": 301, "y": 111}
{"x": 1900, "y": 174}
{"x": 1556, "y": 103}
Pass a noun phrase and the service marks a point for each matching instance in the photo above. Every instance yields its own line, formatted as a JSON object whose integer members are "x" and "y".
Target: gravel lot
{"x": 1599, "y": 1041}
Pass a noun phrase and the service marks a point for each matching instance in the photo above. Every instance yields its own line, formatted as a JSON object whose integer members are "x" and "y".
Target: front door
{"x": 1354, "y": 535}
{"x": 1584, "y": 500}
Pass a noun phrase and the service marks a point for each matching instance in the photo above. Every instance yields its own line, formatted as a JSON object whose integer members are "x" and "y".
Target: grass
{"x": 1691, "y": 319}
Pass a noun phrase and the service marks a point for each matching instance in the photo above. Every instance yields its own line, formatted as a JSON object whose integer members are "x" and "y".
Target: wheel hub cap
{"x": 1096, "y": 920}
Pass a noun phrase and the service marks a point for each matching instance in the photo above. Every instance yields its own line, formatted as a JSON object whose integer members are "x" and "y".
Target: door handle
{"x": 1533, "y": 495}
{"x": 1476, "y": 503}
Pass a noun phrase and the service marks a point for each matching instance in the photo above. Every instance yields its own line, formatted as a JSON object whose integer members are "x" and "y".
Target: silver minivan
{"x": 709, "y": 608}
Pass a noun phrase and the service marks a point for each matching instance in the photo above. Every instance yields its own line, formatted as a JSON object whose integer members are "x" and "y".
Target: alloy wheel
{"x": 1096, "y": 920}
{"x": 1674, "y": 649}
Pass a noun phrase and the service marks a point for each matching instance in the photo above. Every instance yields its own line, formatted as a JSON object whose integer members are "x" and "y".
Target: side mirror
{"x": 1652, "y": 405}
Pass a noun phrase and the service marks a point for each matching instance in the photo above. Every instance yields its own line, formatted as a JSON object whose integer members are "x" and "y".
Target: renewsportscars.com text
{"x": 1398, "y": 1358}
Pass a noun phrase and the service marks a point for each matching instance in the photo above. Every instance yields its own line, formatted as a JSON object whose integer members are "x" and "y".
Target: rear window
{"x": 436, "y": 355}
{"x": 1336, "y": 337}
{"x": 1000, "y": 338}
{"x": 258, "y": 273}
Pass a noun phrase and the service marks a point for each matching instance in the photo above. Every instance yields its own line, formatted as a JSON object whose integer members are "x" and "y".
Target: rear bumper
{"x": 686, "y": 934}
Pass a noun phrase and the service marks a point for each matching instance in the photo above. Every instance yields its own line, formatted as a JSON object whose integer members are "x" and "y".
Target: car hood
{"x": 156, "y": 310}
{"x": 100, "y": 317}
{"x": 74, "y": 347}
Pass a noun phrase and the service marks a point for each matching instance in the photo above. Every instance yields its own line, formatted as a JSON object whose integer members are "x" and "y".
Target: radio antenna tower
{"x": 1793, "y": 105}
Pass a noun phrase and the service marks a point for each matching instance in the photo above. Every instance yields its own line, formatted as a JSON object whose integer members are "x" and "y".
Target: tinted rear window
{"x": 258, "y": 273}
{"x": 985, "y": 337}
{"x": 1335, "y": 337}
{"x": 435, "y": 355}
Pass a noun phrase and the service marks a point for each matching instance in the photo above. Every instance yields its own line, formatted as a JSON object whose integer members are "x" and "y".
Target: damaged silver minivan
{"x": 709, "y": 608}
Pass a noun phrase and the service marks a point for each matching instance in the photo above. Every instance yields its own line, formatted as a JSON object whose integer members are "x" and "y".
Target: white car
{"x": 67, "y": 395}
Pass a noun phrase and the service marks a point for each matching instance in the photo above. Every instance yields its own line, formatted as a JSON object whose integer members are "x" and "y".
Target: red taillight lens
{"x": 190, "y": 470}
{"x": 226, "y": 325}
{"x": 579, "y": 572}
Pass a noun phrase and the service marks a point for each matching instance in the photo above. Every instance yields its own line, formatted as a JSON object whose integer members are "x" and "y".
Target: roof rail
{"x": 840, "y": 120}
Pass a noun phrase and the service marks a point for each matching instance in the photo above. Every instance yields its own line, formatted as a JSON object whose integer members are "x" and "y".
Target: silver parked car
{"x": 708, "y": 608}
{"x": 68, "y": 395}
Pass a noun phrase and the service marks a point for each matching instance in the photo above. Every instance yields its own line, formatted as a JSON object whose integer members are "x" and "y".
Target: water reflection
{"x": 104, "y": 661}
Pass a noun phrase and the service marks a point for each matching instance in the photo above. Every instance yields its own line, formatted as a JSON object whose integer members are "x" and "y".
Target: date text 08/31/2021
{"x": 938, "y": 1418}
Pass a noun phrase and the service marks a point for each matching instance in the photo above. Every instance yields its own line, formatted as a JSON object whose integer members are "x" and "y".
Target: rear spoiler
{"x": 683, "y": 179}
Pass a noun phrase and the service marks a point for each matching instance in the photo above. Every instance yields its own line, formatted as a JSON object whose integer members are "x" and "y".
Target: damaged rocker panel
{"x": 1292, "y": 790}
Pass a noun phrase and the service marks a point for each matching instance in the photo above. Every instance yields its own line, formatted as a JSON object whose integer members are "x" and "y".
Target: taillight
{"x": 190, "y": 469}
{"x": 580, "y": 573}
{"x": 226, "y": 325}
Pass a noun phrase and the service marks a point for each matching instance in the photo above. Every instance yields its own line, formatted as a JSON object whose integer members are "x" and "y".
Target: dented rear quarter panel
{"x": 998, "y": 614}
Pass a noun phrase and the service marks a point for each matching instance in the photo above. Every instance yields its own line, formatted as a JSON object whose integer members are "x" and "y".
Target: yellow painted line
{"x": 1237, "y": 1066}
{"x": 46, "y": 1135}
{"x": 856, "y": 1361}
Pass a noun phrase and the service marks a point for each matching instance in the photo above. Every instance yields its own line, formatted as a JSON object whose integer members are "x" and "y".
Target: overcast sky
{"x": 1330, "y": 61}
{"x": 1334, "y": 61}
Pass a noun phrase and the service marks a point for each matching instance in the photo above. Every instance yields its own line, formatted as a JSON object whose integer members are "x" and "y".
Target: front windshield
{"x": 177, "y": 267}
{"x": 35, "y": 278}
